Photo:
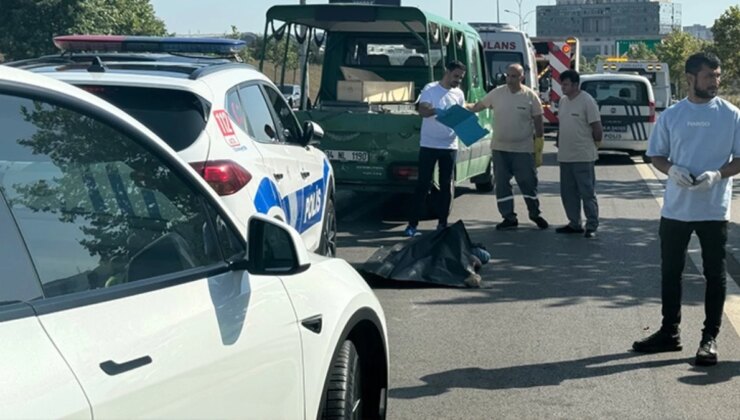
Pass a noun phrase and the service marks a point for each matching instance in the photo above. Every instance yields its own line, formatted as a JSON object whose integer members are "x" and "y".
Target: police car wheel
{"x": 328, "y": 244}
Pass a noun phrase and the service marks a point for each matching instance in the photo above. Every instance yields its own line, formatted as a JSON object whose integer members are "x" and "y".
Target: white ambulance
{"x": 504, "y": 45}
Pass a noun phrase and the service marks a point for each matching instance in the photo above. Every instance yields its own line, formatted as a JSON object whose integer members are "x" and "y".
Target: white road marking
{"x": 732, "y": 303}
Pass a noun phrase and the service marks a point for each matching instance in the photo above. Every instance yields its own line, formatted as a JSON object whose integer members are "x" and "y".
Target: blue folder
{"x": 463, "y": 122}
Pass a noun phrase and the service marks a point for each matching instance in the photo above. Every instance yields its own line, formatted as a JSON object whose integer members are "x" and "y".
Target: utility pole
{"x": 451, "y": 3}
{"x": 498, "y": 13}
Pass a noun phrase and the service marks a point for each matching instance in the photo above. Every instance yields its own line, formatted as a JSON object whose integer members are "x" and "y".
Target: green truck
{"x": 376, "y": 61}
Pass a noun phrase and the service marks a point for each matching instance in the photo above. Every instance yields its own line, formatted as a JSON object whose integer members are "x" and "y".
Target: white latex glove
{"x": 680, "y": 176}
{"x": 707, "y": 180}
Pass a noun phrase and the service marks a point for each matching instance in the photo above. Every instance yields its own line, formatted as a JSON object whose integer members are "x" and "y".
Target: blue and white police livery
{"x": 226, "y": 119}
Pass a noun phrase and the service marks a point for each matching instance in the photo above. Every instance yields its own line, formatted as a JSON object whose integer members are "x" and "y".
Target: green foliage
{"x": 587, "y": 66}
{"x": 674, "y": 50}
{"x": 726, "y": 32}
{"x": 244, "y": 55}
{"x": 28, "y": 26}
{"x": 640, "y": 51}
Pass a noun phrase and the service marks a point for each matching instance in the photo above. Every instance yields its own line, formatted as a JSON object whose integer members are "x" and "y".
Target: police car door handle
{"x": 305, "y": 174}
{"x": 277, "y": 176}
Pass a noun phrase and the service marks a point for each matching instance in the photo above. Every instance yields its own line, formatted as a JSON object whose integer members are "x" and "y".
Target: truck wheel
{"x": 328, "y": 241}
{"x": 485, "y": 183}
{"x": 343, "y": 399}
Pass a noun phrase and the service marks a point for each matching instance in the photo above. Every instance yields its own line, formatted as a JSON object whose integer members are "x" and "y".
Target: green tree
{"x": 674, "y": 50}
{"x": 244, "y": 54}
{"x": 28, "y": 26}
{"x": 640, "y": 51}
{"x": 726, "y": 31}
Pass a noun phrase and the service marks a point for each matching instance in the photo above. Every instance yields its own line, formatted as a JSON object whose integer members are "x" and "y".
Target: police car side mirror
{"x": 311, "y": 132}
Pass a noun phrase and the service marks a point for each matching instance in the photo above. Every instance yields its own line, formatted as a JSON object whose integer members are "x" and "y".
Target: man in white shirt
{"x": 438, "y": 144}
{"x": 579, "y": 134}
{"x": 517, "y": 111}
{"x": 697, "y": 143}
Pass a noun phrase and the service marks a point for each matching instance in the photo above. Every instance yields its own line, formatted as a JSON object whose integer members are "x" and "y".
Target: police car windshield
{"x": 617, "y": 92}
{"x": 176, "y": 116}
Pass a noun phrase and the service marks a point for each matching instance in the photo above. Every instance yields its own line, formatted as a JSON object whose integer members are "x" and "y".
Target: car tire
{"x": 328, "y": 241}
{"x": 343, "y": 398}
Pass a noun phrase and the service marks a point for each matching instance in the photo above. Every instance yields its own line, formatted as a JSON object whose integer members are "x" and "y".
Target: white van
{"x": 627, "y": 106}
{"x": 655, "y": 71}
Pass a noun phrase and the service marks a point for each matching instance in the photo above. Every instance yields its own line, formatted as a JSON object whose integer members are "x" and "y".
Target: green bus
{"x": 376, "y": 61}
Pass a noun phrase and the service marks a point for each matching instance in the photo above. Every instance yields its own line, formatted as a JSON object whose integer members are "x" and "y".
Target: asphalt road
{"x": 548, "y": 334}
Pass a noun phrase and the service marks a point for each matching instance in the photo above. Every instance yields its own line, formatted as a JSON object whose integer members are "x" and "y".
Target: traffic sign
{"x": 624, "y": 45}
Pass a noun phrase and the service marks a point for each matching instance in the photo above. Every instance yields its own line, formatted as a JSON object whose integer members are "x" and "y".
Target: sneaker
{"x": 540, "y": 222}
{"x": 569, "y": 229}
{"x": 411, "y": 231}
{"x": 660, "y": 341}
{"x": 507, "y": 224}
{"x": 590, "y": 233}
{"x": 707, "y": 353}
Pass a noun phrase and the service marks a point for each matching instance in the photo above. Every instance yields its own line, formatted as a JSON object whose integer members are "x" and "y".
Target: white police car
{"x": 129, "y": 290}
{"x": 226, "y": 119}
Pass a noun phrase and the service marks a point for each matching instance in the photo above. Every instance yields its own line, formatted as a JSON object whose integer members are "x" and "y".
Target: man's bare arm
{"x": 539, "y": 125}
{"x": 427, "y": 110}
{"x": 476, "y": 107}
{"x": 597, "y": 131}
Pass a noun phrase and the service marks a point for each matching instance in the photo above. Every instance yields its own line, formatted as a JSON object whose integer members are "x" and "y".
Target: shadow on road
{"x": 555, "y": 373}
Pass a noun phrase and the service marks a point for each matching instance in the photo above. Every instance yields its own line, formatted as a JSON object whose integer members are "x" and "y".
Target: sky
{"x": 217, "y": 16}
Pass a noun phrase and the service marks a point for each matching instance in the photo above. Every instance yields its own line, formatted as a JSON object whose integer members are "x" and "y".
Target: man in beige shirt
{"x": 518, "y": 120}
{"x": 579, "y": 135}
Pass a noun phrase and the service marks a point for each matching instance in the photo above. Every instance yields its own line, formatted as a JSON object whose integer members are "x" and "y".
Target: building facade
{"x": 700, "y": 31}
{"x": 599, "y": 24}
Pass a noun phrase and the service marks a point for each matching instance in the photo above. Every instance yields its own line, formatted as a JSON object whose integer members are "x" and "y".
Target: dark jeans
{"x": 428, "y": 157}
{"x": 674, "y": 240}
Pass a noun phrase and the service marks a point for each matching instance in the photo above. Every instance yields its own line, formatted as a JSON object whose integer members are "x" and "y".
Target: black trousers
{"x": 674, "y": 241}
{"x": 429, "y": 157}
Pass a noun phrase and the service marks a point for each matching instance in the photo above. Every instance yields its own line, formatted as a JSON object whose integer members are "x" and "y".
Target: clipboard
{"x": 463, "y": 122}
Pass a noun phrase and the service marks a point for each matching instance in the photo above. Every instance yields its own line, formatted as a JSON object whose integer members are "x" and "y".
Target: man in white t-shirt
{"x": 517, "y": 111}
{"x": 697, "y": 143}
{"x": 579, "y": 133}
{"x": 438, "y": 144}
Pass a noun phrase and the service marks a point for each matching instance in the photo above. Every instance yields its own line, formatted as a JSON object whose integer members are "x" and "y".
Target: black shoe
{"x": 507, "y": 224}
{"x": 590, "y": 233}
{"x": 540, "y": 222}
{"x": 658, "y": 342}
{"x": 568, "y": 229}
{"x": 707, "y": 353}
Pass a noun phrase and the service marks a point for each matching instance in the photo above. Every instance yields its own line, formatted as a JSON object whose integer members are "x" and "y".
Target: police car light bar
{"x": 150, "y": 44}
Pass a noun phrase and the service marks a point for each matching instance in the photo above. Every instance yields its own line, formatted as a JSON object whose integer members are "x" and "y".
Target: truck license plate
{"x": 346, "y": 155}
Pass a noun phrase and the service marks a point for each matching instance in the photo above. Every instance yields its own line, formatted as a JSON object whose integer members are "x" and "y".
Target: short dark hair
{"x": 454, "y": 65}
{"x": 571, "y": 75}
{"x": 696, "y": 61}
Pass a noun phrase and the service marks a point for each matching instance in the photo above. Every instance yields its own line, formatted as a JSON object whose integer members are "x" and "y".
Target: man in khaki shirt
{"x": 579, "y": 135}
{"x": 518, "y": 120}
